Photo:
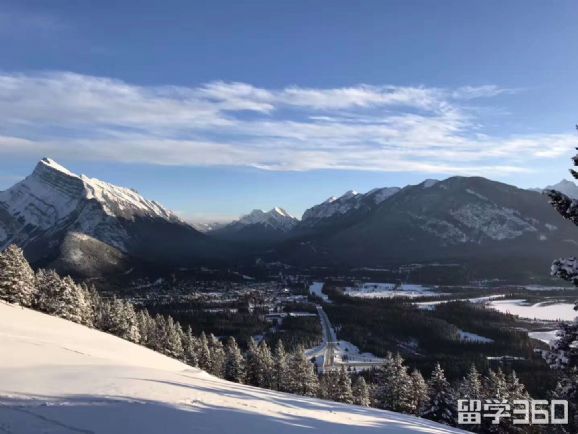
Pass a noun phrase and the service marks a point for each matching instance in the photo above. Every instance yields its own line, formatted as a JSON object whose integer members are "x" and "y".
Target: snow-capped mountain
{"x": 335, "y": 209}
{"x": 259, "y": 226}
{"x": 60, "y": 377}
{"x": 54, "y": 205}
{"x": 460, "y": 220}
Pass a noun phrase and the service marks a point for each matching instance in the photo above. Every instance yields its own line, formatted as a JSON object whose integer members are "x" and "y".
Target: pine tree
{"x": 394, "y": 385}
{"x": 146, "y": 325}
{"x": 419, "y": 392}
{"x": 280, "y": 368}
{"x": 301, "y": 378}
{"x": 361, "y": 393}
{"x": 204, "y": 353}
{"x": 173, "y": 344}
{"x": 234, "y": 362}
{"x": 344, "y": 392}
{"x": 496, "y": 385}
{"x": 471, "y": 386}
{"x": 17, "y": 280}
{"x": 441, "y": 401}
{"x": 266, "y": 366}
{"x": 253, "y": 364}
{"x": 87, "y": 305}
{"x": 60, "y": 297}
{"x": 217, "y": 350}
{"x": 190, "y": 348}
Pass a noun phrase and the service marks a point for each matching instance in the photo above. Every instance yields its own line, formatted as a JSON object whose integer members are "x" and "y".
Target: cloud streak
{"x": 377, "y": 128}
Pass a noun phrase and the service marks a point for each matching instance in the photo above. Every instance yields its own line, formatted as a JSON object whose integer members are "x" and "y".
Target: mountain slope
{"x": 63, "y": 378}
{"x": 343, "y": 210}
{"x": 464, "y": 220}
{"x": 259, "y": 226}
{"x": 40, "y": 212}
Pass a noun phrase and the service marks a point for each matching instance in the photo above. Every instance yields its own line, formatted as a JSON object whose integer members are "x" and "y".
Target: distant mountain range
{"x": 85, "y": 226}
{"x": 259, "y": 227}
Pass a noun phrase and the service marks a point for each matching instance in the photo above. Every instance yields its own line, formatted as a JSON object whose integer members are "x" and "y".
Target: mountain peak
{"x": 47, "y": 162}
{"x": 566, "y": 187}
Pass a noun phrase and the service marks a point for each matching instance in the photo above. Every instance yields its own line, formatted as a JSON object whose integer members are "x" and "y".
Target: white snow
{"x": 63, "y": 378}
{"x": 52, "y": 196}
{"x": 429, "y": 305}
{"x": 316, "y": 288}
{"x": 547, "y": 337}
{"x": 474, "y": 338}
{"x": 276, "y": 218}
{"x": 388, "y": 290}
{"x": 543, "y": 310}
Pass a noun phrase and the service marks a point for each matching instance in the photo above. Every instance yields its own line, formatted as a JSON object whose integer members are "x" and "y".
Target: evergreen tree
{"x": 419, "y": 393}
{"x": 496, "y": 385}
{"x": 204, "y": 353}
{"x": 253, "y": 364}
{"x": 361, "y": 392}
{"x": 266, "y": 366}
{"x": 567, "y": 389}
{"x": 328, "y": 385}
{"x": 344, "y": 391}
{"x": 87, "y": 305}
{"x": 441, "y": 401}
{"x": 17, "y": 280}
{"x": 190, "y": 348}
{"x": 217, "y": 351}
{"x": 173, "y": 344}
{"x": 394, "y": 390}
{"x": 280, "y": 368}
{"x": 471, "y": 386}
{"x": 301, "y": 376}
{"x": 120, "y": 319}
{"x": 60, "y": 297}
{"x": 146, "y": 325}
{"x": 234, "y": 362}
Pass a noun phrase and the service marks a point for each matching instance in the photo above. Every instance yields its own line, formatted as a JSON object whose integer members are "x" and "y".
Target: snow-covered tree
{"x": 120, "y": 319}
{"x": 217, "y": 367}
{"x": 361, "y": 392}
{"x": 234, "y": 362}
{"x": 173, "y": 344}
{"x": 441, "y": 400}
{"x": 17, "y": 280}
{"x": 394, "y": 385}
{"x": 253, "y": 364}
{"x": 190, "y": 348}
{"x": 567, "y": 388}
{"x": 471, "y": 386}
{"x": 280, "y": 368}
{"x": 60, "y": 297}
{"x": 419, "y": 392}
{"x": 496, "y": 385}
{"x": 266, "y": 366}
{"x": 146, "y": 325}
{"x": 204, "y": 353}
{"x": 301, "y": 376}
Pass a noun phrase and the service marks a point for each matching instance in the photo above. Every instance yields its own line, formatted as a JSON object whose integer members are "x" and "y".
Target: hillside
{"x": 60, "y": 377}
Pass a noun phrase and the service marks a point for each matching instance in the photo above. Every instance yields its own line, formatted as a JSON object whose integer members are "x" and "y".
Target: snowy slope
{"x": 259, "y": 226}
{"x": 59, "y": 377}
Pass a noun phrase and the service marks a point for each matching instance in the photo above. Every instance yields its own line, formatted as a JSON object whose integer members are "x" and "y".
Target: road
{"x": 333, "y": 354}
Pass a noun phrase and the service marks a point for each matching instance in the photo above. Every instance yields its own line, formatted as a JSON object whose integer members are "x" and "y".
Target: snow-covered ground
{"x": 543, "y": 311}
{"x": 62, "y": 378}
{"x": 316, "y": 288}
{"x": 474, "y": 338}
{"x": 388, "y": 290}
{"x": 546, "y": 337}
{"x": 428, "y": 305}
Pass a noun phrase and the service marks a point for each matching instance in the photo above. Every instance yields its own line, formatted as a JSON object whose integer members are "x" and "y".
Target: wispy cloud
{"x": 379, "y": 128}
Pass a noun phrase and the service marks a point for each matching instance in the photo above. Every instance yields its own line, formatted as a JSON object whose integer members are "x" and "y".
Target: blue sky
{"x": 217, "y": 107}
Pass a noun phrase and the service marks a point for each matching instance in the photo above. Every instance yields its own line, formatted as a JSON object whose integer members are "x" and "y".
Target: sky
{"x": 214, "y": 108}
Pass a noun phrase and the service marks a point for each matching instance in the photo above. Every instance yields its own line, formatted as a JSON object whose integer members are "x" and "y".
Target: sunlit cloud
{"x": 362, "y": 127}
